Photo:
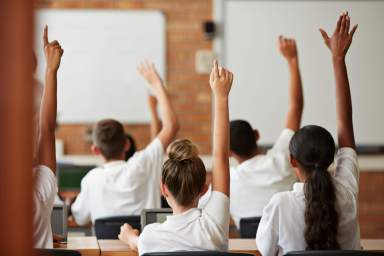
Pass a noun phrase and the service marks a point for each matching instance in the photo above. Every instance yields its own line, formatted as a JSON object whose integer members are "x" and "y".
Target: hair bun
{"x": 182, "y": 149}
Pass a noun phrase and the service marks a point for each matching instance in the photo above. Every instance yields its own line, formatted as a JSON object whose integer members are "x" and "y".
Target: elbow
{"x": 174, "y": 128}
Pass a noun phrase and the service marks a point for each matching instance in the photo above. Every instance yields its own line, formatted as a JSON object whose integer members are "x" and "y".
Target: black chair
{"x": 197, "y": 253}
{"x": 336, "y": 253}
{"x": 109, "y": 228}
{"x": 249, "y": 226}
{"x": 55, "y": 252}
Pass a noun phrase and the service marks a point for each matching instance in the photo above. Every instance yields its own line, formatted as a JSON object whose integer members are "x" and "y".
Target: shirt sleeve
{"x": 218, "y": 210}
{"x": 282, "y": 143}
{"x": 151, "y": 158}
{"x": 80, "y": 208}
{"x": 267, "y": 236}
{"x": 347, "y": 170}
{"x": 45, "y": 184}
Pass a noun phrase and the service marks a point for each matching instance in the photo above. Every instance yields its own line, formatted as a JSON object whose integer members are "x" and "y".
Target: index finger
{"x": 45, "y": 36}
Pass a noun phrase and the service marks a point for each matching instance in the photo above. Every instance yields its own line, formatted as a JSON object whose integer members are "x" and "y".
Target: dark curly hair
{"x": 314, "y": 149}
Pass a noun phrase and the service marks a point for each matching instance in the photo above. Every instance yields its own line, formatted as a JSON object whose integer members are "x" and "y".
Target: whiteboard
{"x": 260, "y": 90}
{"x": 97, "y": 78}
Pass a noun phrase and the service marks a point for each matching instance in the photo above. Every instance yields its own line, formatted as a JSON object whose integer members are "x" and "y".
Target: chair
{"x": 336, "y": 253}
{"x": 197, "y": 253}
{"x": 109, "y": 228}
{"x": 55, "y": 252}
{"x": 249, "y": 226}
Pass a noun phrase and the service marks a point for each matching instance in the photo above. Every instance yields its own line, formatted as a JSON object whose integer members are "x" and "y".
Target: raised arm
{"x": 339, "y": 44}
{"x": 288, "y": 49}
{"x": 47, "y": 153}
{"x": 221, "y": 82}
{"x": 155, "y": 120}
{"x": 170, "y": 122}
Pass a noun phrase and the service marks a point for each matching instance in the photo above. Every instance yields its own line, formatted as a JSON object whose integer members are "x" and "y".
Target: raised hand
{"x": 53, "y": 52}
{"x": 287, "y": 47}
{"x": 220, "y": 80}
{"x": 149, "y": 72}
{"x": 342, "y": 38}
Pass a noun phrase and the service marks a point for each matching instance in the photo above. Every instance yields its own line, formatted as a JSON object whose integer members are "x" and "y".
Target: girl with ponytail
{"x": 183, "y": 184}
{"x": 321, "y": 211}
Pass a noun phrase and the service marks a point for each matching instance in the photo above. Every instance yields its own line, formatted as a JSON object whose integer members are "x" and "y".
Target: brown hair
{"x": 109, "y": 137}
{"x": 184, "y": 173}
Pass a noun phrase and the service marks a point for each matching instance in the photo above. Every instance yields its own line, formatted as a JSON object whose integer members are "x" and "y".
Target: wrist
{"x": 293, "y": 61}
{"x": 338, "y": 58}
{"x": 50, "y": 70}
{"x": 221, "y": 98}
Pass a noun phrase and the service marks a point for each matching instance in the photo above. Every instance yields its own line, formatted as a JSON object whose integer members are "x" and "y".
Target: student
{"x": 321, "y": 211}
{"x": 120, "y": 187}
{"x": 259, "y": 176}
{"x": 183, "y": 183}
{"x": 45, "y": 187}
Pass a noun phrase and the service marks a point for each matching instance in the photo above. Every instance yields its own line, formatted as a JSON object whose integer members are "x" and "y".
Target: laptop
{"x": 149, "y": 216}
{"x": 59, "y": 220}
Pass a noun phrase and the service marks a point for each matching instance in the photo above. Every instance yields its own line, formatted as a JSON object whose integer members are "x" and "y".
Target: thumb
{"x": 324, "y": 34}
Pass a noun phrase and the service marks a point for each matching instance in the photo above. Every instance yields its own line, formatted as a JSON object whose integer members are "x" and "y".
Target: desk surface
{"x": 117, "y": 248}
{"x": 87, "y": 246}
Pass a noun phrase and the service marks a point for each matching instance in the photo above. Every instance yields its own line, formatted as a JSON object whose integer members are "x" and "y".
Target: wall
{"x": 189, "y": 91}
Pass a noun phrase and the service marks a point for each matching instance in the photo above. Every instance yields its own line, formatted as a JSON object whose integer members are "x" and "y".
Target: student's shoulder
{"x": 150, "y": 230}
{"x": 280, "y": 199}
{"x": 91, "y": 174}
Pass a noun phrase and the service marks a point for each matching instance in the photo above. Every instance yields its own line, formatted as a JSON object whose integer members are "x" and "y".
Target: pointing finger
{"x": 215, "y": 69}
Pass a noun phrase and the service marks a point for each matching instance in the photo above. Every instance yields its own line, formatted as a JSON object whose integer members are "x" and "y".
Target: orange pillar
{"x": 16, "y": 22}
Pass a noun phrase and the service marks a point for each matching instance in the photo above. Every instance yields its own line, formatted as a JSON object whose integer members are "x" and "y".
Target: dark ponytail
{"x": 314, "y": 149}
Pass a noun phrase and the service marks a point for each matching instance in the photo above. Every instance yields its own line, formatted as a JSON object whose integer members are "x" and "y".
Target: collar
{"x": 298, "y": 189}
{"x": 113, "y": 163}
{"x": 184, "y": 218}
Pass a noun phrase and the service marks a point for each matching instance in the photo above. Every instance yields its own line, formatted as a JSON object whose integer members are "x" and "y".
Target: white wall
{"x": 102, "y": 48}
{"x": 248, "y": 46}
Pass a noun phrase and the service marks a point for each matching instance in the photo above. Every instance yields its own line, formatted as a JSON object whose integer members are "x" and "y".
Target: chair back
{"x": 55, "y": 252}
{"x": 197, "y": 253}
{"x": 249, "y": 226}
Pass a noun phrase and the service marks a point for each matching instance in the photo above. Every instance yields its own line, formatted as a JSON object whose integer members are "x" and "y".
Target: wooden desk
{"x": 87, "y": 246}
{"x": 372, "y": 244}
{"x": 117, "y": 248}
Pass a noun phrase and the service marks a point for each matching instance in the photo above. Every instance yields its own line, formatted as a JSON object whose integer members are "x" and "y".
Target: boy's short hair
{"x": 242, "y": 138}
{"x": 109, "y": 137}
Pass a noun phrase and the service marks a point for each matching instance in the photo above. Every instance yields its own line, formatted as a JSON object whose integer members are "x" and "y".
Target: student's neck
{"x": 178, "y": 209}
{"x": 113, "y": 160}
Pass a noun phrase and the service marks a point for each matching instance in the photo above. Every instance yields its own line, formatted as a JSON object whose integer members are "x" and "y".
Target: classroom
{"x": 192, "y": 127}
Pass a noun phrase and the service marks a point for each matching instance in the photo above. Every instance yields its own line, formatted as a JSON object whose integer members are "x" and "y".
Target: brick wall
{"x": 189, "y": 91}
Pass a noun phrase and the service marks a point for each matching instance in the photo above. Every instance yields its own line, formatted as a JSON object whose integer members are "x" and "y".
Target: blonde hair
{"x": 184, "y": 173}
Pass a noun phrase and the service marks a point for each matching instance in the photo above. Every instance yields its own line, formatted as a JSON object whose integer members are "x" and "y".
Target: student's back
{"x": 121, "y": 188}
{"x": 256, "y": 180}
{"x": 285, "y": 212}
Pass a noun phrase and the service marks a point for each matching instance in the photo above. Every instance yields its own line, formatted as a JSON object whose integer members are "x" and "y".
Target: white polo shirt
{"x": 44, "y": 193}
{"x": 121, "y": 188}
{"x": 281, "y": 229}
{"x": 193, "y": 230}
{"x": 255, "y": 181}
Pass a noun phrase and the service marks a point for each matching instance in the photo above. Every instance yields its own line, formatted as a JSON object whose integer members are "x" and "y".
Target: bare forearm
{"x": 169, "y": 117}
{"x": 220, "y": 178}
{"x": 155, "y": 123}
{"x": 296, "y": 99}
{"x": 343, "y": 104}
{"x": 47, "y": 155}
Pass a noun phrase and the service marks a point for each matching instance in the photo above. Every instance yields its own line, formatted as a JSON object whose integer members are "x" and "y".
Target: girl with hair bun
{"x": 321, "y": 211}
{"x": 183, "y": 184}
